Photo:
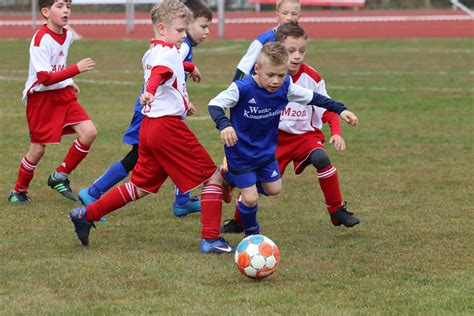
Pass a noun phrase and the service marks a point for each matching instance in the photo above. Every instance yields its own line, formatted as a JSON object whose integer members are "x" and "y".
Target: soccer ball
{"x": 257, "y": 257}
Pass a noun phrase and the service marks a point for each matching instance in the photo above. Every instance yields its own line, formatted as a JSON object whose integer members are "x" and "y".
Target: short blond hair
{"x": 275, "y": 53}
{"x": 280, "y": 2}
{"x": 167, "y": 11}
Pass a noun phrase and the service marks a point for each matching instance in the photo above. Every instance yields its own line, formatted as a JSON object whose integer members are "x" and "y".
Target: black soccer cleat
{"x": 19, "y": 198}
{"x": 343, "y": 217}
{"x": 82, "y": 227}
{"x": 231, "y": 226}
{"x": 62, "y": 187}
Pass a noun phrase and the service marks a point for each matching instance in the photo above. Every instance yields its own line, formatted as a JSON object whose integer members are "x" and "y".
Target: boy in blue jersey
{"x": 184, "y": 203}
{"x": 287, "y": 11}
{"x": 250, "y": 135}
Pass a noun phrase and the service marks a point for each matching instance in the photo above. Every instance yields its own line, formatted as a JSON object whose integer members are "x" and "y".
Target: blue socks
{"x": 108, "y": 179}
{"x": 181, "y": 198}
{"x": 249, "y": 219}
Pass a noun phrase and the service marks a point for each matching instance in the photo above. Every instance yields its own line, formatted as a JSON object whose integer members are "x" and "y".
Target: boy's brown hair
{"x": 275, "y": 53}
{"x": 280, "y": 2}
{"x": 290, "y": 30}
{"x": 167, "y": 11}
{"x": 48, "y": 3}
{"x": 199, "y": 9}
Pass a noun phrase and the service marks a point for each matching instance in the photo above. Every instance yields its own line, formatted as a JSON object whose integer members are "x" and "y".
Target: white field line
{"x": 342, "y": 19}
{"x": 223, "y": 86}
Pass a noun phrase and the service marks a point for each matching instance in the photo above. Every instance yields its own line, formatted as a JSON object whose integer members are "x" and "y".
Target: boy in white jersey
{"x": 300, "y": 138}
{"x": 167, "y": 147}
{"x": 250, "y": 135}
{"x": 52, "y": 109}
{"x": 184, "y": 203}
{"x": 287, "y": 11}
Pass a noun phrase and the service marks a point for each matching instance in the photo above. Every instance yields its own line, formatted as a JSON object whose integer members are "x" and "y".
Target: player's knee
{"x": 319, "y": 159}
{"x": 88, "y": 134}
{"x": 250, "y": 200}
{"x": 35, "y": 153}
{"x": 215, "y": 179}
{"x": 274, "y": 189}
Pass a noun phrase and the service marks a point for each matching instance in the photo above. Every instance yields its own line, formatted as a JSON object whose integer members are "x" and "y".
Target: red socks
{"x": 76, "y": 153}
{"x": 111, "y": 201}
{"x": 211, "y": 211}
{"x": 26, "y": 171}
{"x": 329, "y": 183}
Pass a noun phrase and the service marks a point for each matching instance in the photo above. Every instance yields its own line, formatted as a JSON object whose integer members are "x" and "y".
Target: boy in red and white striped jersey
{"x": 300, "y": 138}
{"x": 50, "y": 96}
{"x": 167, "y": 147}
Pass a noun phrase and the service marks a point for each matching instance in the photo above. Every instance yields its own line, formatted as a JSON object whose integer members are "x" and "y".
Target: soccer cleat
{"x": 62, "y": 187}
{"x": 19, "y": 198}
{"x": 85, "y": 198}
{"x": 231, "y": 226}
{"x": 226, "y": 188}
{"x": 216, "y": 246}
{"x": 344, "y": 217}
{"x": 193, "y": 205}
{"x": 82, "y": 227}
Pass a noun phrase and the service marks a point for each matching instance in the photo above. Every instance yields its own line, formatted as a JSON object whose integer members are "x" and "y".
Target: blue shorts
{"x": 268, "y": 173}
{"x": 131, "y": 135}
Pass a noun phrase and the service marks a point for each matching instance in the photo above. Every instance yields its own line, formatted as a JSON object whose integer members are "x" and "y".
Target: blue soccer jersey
{"x": 250, "y": 58}
{"x": 255, "y": 115}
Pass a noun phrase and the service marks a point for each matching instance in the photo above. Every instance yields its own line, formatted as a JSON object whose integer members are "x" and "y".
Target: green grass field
{"x": 407, "y": 173}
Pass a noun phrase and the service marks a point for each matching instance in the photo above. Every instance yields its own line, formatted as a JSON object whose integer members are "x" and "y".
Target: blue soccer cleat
{"x": 87, "y": 199}
{"x": 216, "y": 246}
{"x": 193, "y": 205}
{"x": 82, "y": 227}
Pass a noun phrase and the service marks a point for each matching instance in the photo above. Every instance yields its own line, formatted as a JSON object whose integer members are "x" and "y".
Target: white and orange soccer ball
{"x": 257, "y": 256}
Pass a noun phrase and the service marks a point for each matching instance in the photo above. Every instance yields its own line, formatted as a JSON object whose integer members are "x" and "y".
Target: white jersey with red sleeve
{"x": 297, "y": 118}
{"x": 48, "y": 53}
{"x": 171, "y": 98}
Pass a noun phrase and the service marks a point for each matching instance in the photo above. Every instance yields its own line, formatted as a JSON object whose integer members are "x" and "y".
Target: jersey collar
{"x": 160, "y": 42}
{"x": 298, "y": 74}
{"x": 60, "y": 38}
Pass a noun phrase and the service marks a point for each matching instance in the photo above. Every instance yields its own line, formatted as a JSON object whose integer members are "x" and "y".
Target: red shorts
{"x": 51, "y": 114}
{"x": 297, "y": 148}
{"x": 167, "y": 147}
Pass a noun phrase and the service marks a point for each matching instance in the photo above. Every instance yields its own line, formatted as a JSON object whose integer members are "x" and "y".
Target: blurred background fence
{"x": 25, "y": 5}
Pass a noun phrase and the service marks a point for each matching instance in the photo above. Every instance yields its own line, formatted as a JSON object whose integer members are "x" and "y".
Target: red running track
{"x": 318, "y": 24}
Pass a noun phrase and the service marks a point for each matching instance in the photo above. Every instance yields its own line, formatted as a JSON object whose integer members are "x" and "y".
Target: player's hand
{"x": 338, "y": 142}
{"x": 76, "y": 88}
{"x": 145, "y": 100}
{"x": 349, "y": 117}
{"x": 228, "y": 136}
{"x": 191, "y": 109}
{"x": 85, "y": 64}
{"x": 196, "y": 75}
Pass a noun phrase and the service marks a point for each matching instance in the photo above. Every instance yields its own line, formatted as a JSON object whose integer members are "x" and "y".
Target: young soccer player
{"x": 250, "y": 135}
{"x": 300, "y": 138}
{"x": 287, "y": 11}
{"x": 52, "y": 109}
{"x": 184, "y": 203}
{"x": 167, "y": 147}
